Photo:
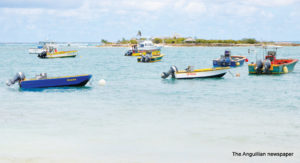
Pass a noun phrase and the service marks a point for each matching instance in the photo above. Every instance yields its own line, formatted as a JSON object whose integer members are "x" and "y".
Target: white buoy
{"x": 102, "y": 82}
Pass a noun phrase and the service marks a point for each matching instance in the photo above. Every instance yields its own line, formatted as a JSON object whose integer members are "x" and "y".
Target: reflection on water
{"x": 56, "y": 89}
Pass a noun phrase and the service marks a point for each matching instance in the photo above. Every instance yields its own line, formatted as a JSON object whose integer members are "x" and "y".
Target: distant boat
{"x": 272, "y": 65}
{"x": 142, "y": 48}
{"x": 58, "y": 54}
{"x": 43, "y": 47}
{"x": 228, "y": 60}
{"x": 189, "y": 73}
{"x": 48, "y": 49}
{"x": 150, "y": 58}
{"x": 42, "y": 81}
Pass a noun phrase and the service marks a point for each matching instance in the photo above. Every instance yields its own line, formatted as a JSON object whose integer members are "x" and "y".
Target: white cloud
{"x": 267, "y": 14}
{"x": 22, "y": 11}
{"x": 270, "y": 3}
{"x": 195, "y": 7}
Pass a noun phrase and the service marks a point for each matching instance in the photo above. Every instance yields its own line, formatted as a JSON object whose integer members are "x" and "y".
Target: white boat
{"x": 189, "y": 73}
{"x": 43, "y": 47}
{"x": 148, "y": 45}
{"x": 142, "y": 48}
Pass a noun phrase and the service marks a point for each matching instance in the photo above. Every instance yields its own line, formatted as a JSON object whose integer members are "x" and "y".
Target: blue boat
{"x": 229, "y": 61}
{"x": 42, "y": 81}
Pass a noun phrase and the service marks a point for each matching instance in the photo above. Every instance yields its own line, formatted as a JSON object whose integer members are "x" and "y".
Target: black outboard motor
{"x": 19, "y": 76}
{"x": 128, "y": 53}
{"x": 267, "y": 66}
{"x": 143, "y": 58}
{"x": 148, "y": 57}
{"x": 227, "y": 53}
{"x": 259, "y": 66}
{"x": 172, "y": 71}
{"x": 227, "y": 58}
{"x": 43, "y": 54}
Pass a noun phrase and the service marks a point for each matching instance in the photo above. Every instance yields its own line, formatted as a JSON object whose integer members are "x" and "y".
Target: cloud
{"x": 195, "y": 7}
{"x": 53, "y": 4}
{"x": 165, "y": 16}
{"x": 270, "y": 3}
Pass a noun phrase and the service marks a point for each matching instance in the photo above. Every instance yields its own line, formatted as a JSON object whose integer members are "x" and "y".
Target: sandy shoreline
{"x": 204, "y": 45}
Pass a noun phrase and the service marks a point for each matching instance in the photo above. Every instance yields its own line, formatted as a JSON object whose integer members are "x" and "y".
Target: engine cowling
{"x": 18, "y": 77}
{"x": 172, "y": 71}
{"x": 259, "y": 66}
{"x": 267, "y": 66}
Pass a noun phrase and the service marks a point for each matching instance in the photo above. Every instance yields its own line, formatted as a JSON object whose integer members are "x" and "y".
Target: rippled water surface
{"x": 139, "y": 117}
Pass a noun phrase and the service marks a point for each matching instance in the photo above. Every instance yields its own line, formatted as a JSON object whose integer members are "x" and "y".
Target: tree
{"x": 124, "y": 41}
{"x": 139, "y": 33}
{"x": 157, "y": 40}
{"x": 133, "y": 41}
{"x": 249, "y": 40}
{"x": 104, "y": 41}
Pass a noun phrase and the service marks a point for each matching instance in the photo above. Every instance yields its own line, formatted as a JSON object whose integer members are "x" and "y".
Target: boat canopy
{"x": 146, "y": 43}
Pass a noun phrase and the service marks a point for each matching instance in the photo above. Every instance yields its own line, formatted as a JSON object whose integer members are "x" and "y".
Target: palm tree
{"x": 139, "y": 33}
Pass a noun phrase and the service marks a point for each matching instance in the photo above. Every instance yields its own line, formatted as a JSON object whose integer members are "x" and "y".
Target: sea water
{"x": 139, "y": 117}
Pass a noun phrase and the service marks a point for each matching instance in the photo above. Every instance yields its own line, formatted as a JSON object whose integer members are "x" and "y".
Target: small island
{"x": 190, "y": 42}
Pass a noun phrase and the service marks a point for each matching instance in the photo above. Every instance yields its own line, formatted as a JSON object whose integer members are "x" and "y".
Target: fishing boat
{"x": 190, "y": 73}
{"x": 42, "y": 47}
{"x": 272, "y": 65}
{"x": 143, "y": 48}
{"x": 58, "y": 54}
{"x": 42, "y": 81}
{"x": 150, "y": 58}
{"x": 228, "y": 60}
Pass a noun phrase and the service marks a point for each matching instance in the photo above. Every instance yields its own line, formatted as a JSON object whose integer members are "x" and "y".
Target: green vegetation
{"x": 157, "y": 40}
{"x": 104, "y": 41}
{"x": 181, "y": 40}
{"x": 133, "y": 42}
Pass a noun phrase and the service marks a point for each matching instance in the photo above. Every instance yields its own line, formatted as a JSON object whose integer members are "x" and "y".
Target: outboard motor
{"x": 148, "y": 57}
{"x": 172, "y": 71}
{"x": 227, "y": 53}
{"x": 227, "y": 58}
{"x": 128, "y": 53}
{"x": 259, "y": 66}
{"x": 267, "y": 66}
{"x": 143, "y": 58}
{"x": 18, "y": 77}
{"x": 43, "y": 54}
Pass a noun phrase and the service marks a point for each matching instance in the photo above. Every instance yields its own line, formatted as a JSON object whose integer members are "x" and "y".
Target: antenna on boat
{"x": 254, "y": 51}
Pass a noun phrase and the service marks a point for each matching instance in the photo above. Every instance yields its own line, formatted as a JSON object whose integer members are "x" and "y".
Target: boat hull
{"x": 68, "y": 81}
{"x": 202, "y": 73}
{"x": 275, "y": 68}
{"x": 154, "y": 52}
{"x": 235, "y": 61}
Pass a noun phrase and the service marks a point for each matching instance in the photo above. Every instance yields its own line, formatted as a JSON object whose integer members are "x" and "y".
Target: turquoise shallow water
{"x": 139, "y": 117}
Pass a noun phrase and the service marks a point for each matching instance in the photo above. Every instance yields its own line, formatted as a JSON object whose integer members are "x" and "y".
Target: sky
{"x": 112, "y": 20}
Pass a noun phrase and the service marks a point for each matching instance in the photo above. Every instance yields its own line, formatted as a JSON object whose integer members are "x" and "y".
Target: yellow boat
{"x": 59, "y": 54}
{"x": 149, "y": 58}
{"x": 140, "y": 53}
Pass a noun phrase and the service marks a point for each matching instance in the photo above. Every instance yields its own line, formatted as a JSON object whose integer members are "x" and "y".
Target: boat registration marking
{"x": 71, "y": 79}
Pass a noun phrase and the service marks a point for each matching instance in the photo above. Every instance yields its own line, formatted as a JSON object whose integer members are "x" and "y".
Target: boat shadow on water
{"x": 56, "y": 89}
{"x": 175, "y": 81}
